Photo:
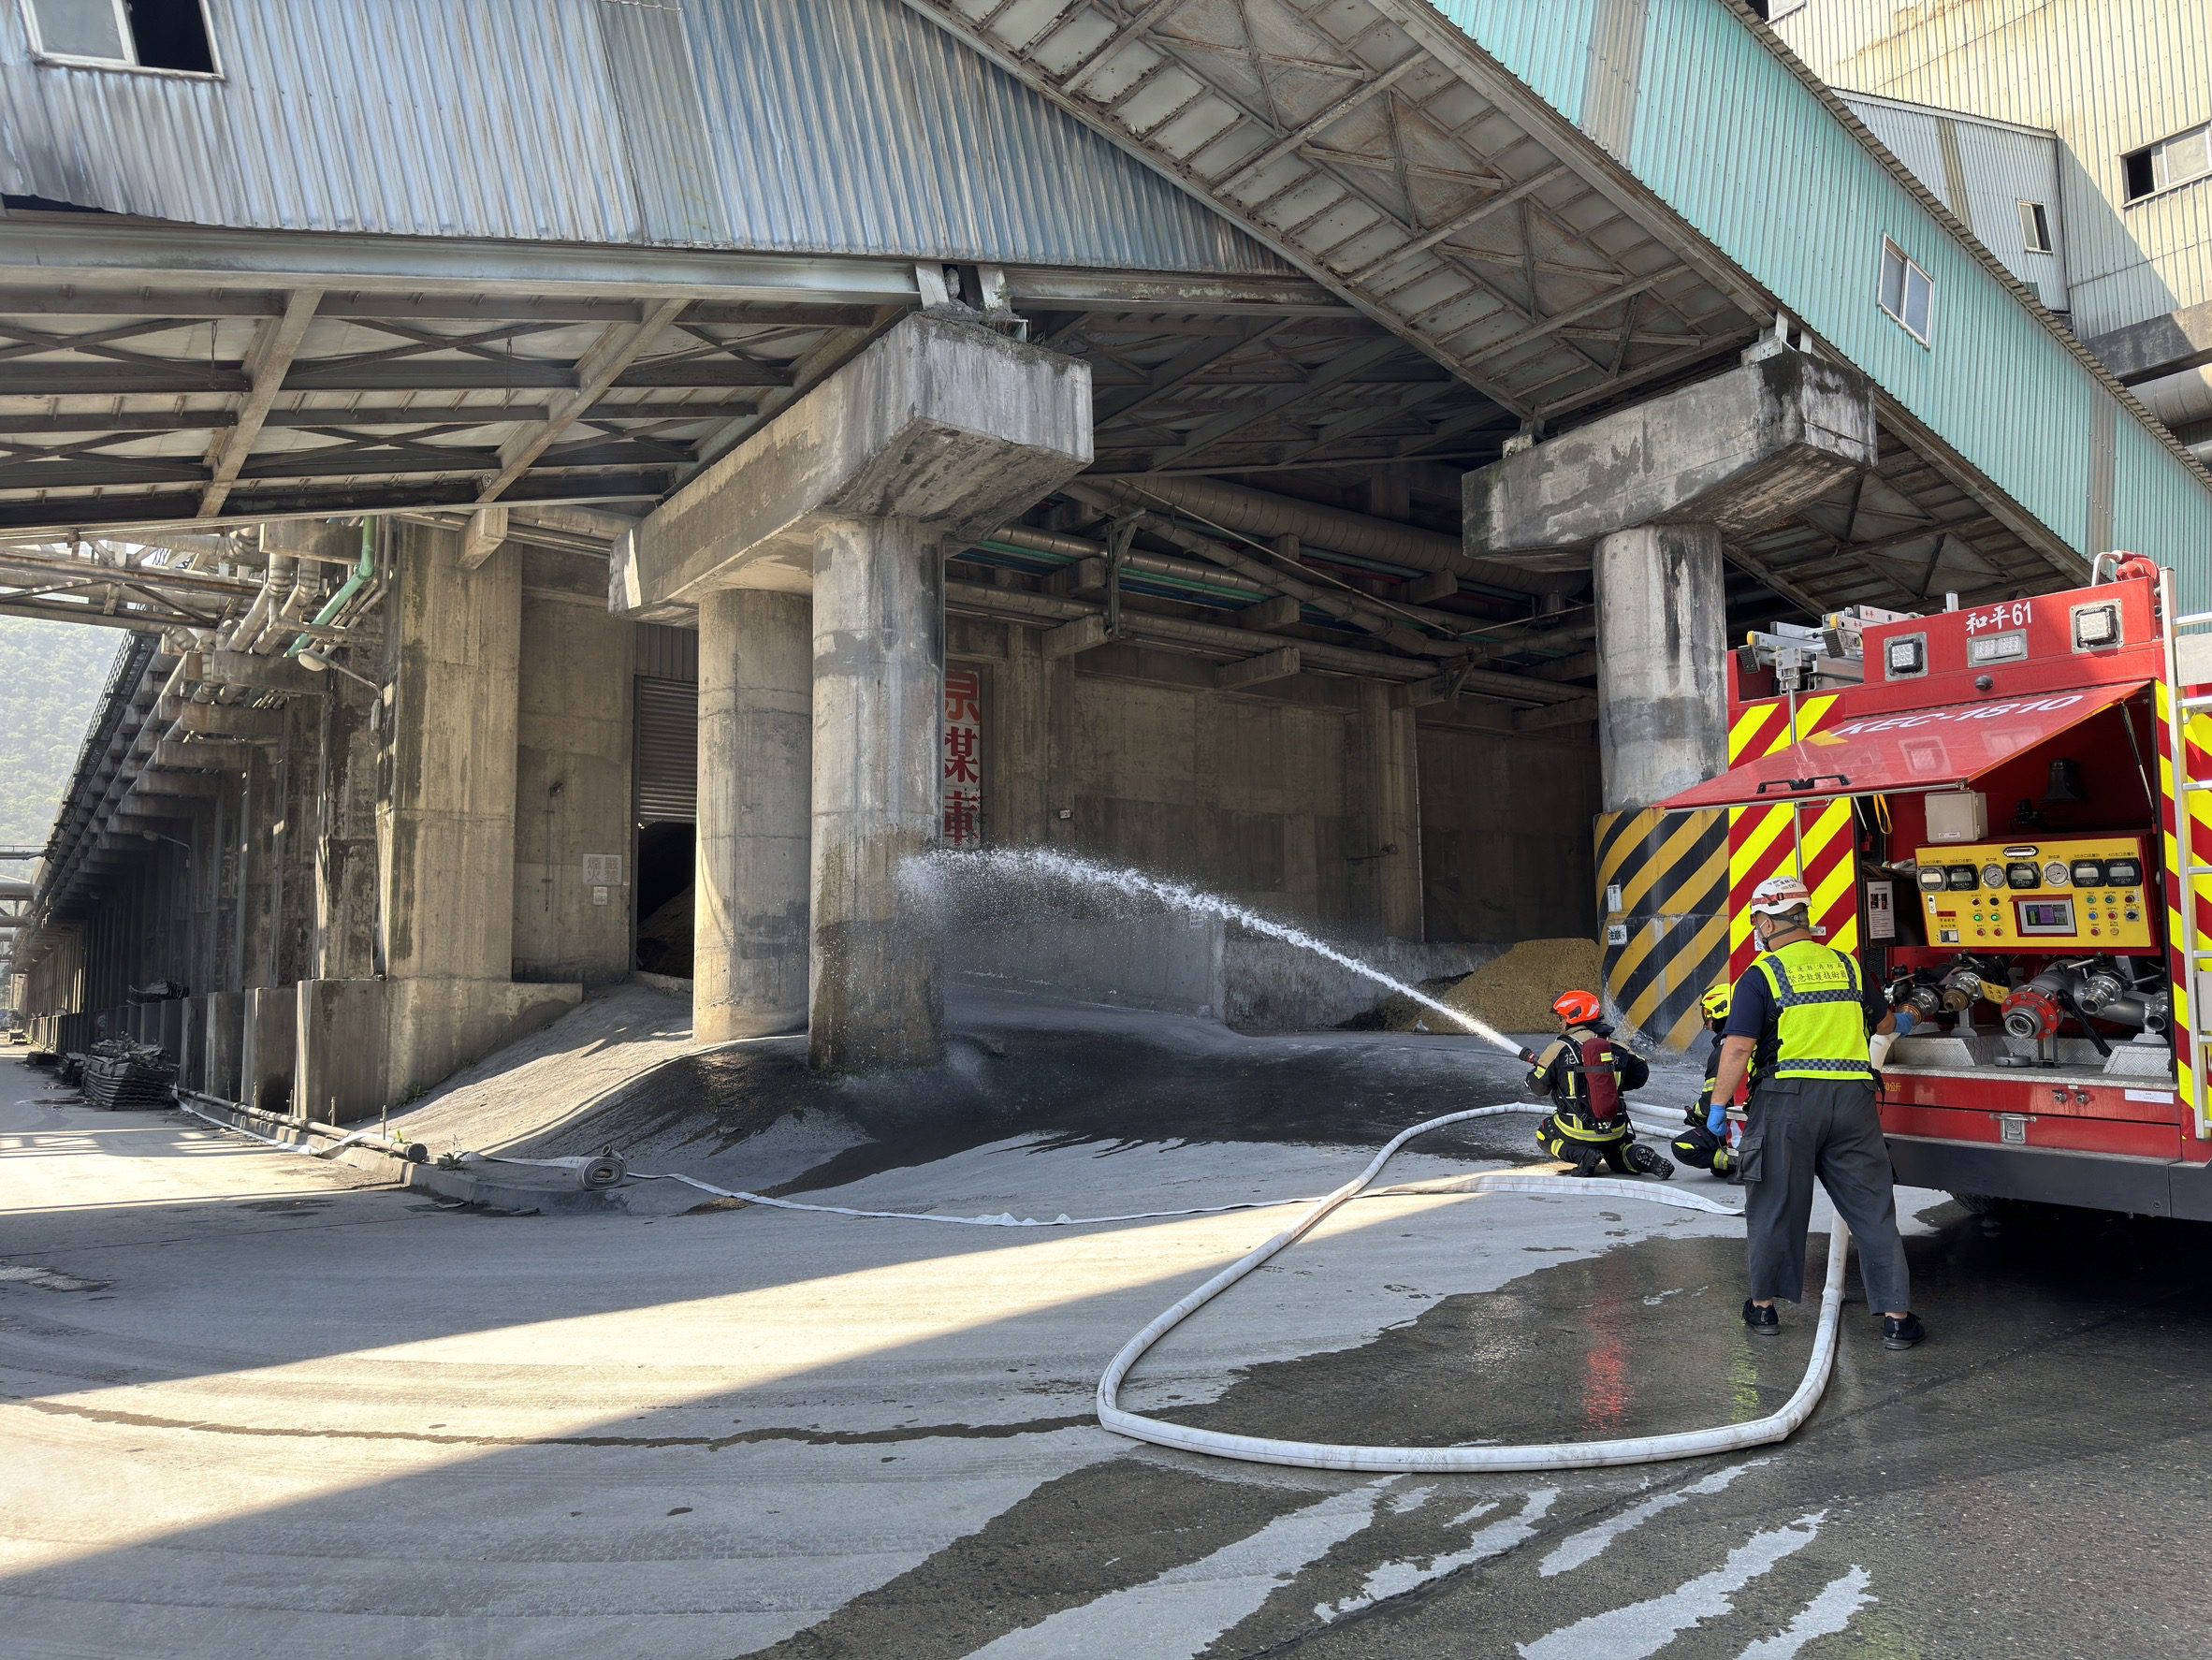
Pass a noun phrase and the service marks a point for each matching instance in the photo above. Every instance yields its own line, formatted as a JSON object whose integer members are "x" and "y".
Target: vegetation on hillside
{"x": 51, "y": 675}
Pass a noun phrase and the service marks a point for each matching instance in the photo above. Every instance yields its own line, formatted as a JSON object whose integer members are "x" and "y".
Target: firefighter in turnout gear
{"x": 1704, "y": 1140}
{"x": 1588, "y": 1076}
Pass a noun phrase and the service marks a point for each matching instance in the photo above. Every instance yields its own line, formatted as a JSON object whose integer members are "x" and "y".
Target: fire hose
{"x": 1325, "y": 1455}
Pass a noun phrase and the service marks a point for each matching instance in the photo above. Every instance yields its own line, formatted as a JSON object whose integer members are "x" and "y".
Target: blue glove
{"x": 1905, "y": 1022}
{"x": 1716, "y": 1121}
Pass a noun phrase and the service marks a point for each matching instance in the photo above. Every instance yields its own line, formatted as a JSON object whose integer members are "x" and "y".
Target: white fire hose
{"x": 1329, "y": 1455}
{"x": 1549, "y": 1455}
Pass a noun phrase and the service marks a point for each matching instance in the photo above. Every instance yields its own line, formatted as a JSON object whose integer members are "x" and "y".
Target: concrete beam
{"x": 216, "y": 720}
{"x": 186, "y": 784}
{"x": 1279, "y": 612}
{"x": 1741, "y": 451}
{"x": 1278, "y": 665}
{"x": 246, "y": 668}
{"x": 2157, "y": 346}
{"x": 1085, "y": 633}
{"x": 202, "y": 755}
{"x": 1086, "y": 575}
{"x": 486, "y": 531}
{"x": 939, "y": 421}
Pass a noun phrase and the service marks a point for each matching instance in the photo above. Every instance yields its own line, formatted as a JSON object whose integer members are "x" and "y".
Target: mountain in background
{"x": 51, "y": 675}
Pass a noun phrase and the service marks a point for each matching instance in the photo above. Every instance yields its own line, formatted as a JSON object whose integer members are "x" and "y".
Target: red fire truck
{"x": 1987, "y": 804}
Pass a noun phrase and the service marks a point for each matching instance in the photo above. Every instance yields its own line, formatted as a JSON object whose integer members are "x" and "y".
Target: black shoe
{"x": 1903, "y": 1334}
{"x": 1764, "y": 1323}
{"x": 1645, "y": 1162}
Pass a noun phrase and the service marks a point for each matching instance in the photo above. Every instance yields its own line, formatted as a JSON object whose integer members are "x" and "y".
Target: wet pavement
{"x": 253, "y": 1405}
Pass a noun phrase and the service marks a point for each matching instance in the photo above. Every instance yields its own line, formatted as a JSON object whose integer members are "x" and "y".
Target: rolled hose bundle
{"x": 1561, "y": 1455}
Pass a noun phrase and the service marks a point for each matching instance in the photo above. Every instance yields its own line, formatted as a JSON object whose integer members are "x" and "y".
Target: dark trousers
{"x": 1804, "y": 1127}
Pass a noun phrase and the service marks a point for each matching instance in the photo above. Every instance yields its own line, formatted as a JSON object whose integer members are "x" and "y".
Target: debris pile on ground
{"x": 1512, "y": 992}
{"x": 119, "y": 1074}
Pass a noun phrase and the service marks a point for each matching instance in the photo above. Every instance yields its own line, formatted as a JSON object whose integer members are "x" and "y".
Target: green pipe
{"x": 346, "y": 589}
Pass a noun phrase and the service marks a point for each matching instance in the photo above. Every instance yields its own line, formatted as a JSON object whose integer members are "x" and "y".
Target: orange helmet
{"x": 1577, "y": 1007}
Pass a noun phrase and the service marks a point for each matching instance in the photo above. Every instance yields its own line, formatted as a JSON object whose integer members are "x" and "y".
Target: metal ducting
{"x": 1337, "y": 529}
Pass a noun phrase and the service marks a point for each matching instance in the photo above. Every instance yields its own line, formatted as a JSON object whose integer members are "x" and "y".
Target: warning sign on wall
{"x": 964, "y": 758}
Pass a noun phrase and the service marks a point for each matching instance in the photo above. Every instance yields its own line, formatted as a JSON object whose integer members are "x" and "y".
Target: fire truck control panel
{"x": 2065, "y": 893}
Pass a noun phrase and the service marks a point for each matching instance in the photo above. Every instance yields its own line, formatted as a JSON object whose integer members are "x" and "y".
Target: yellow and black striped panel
{"x": 1663, "y": 905}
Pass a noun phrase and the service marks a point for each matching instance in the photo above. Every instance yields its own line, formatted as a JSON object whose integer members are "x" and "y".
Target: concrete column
{"x": 345, "y": 845}
{"x": 879, "y": 748}
{"x": 940, "y": 427}
{"x": 446, "y": 827}
{"x": 261, "y": 870}
{"x": 750, "y": 946}
{"x": 1662, "y": 661}
{"x": 1020, "y": 743}
{"x": 1388, "y": 767}
{"x": 300, "y": 768}
{"x": 573, "y": 792}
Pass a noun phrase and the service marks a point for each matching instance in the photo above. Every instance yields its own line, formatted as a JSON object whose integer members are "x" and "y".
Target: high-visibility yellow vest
{"x": 1820, "y": 1022}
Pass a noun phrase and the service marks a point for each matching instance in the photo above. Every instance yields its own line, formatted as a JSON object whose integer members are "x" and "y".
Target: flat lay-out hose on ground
{"x": 1561, "y": 1455}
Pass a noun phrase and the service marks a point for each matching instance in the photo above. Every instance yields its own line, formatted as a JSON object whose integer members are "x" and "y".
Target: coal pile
{"x": 119, "y": 1074}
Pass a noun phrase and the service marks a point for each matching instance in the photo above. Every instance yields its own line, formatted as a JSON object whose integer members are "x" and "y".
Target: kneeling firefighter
{"x": 1704, "y": 1140}
{"x": 1587, "y": 1076}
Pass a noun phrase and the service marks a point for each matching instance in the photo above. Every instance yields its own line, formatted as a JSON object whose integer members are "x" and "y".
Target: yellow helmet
{"x": 1716, "y": 1002}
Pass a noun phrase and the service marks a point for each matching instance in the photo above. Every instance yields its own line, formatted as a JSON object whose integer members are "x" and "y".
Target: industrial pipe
{"x": 1368, "y": 615}
{"x": 1262, "y": 512}
{"x": 363, "y": 571}
{"x": 1006, "y": 603}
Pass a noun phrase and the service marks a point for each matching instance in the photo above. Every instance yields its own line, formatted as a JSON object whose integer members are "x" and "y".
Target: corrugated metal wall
{"x": 1546, "y": 45}
{"x": 830, "y": 126}
{"x": 1982, "y": 172}
{"x": 2107, "y": 76}
{"x": 1753, "y": 158}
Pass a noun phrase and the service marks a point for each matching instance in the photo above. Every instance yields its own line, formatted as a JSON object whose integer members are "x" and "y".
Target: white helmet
{"x": 1779, "y": 893}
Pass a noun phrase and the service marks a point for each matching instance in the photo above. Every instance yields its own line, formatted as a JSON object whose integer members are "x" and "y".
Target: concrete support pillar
{"x": 940, "y": 427}
{"x": 345, "y": 845}
{"x": 573, "y": 792}
{"x": 1662, "y": 661}
{"x": 1022, "y": 742}
{"x": 301, "y": 767}
{"x": 878, "y": 757}
{"x": 446, "y": 827}
{"x": 261, "y": 870}
{"x": 1388, "y": 768}
{"x": 750, "y": 944}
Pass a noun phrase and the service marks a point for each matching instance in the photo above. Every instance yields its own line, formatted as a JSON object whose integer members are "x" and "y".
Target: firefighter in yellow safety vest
{"x": 1798, "y": 1022}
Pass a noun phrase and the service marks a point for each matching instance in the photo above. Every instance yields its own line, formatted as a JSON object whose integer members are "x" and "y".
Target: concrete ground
{"x": 252, "y": 1403}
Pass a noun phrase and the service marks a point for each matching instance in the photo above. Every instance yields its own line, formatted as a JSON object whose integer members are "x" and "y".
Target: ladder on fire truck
{"x": 2196, "y": 951}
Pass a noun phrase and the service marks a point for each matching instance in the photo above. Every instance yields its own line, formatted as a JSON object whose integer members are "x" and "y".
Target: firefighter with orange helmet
{"x": 1588, "y": 1076}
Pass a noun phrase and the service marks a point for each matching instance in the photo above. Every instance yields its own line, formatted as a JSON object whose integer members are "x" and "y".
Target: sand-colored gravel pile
{"x": 1512, "y": 992}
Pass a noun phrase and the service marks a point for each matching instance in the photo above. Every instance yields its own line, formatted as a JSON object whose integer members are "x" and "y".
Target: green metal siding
{"x": 1751, "y": 158}
{"x": 1546, "y": 43}
{"x": 2148, "y": 517}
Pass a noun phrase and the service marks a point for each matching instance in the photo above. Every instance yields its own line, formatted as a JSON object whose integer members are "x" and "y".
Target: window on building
{"x": 1775, "y": 10}
{"x": 1908, "y": 292}
{"x": 2169, "y": 162}
{"x": 2035, "y": 227}
{"x": 124, "y": 34}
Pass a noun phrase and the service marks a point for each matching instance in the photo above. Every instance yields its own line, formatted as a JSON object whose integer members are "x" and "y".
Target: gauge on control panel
{"x": 1962, "y": 875}
{"x": 2123, "y": 873}
{"x": 2054, "y": 874}
{"x": 1993, "y": 876}
{"x": 2023, "y": 874}
{"x": 2088, "y": 873}
{"x": 1932, "y": 878}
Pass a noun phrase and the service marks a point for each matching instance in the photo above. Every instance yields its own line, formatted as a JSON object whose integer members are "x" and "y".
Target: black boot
{"x": 1645, "y": 1162}
{"x": 1762, "y": 1322}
